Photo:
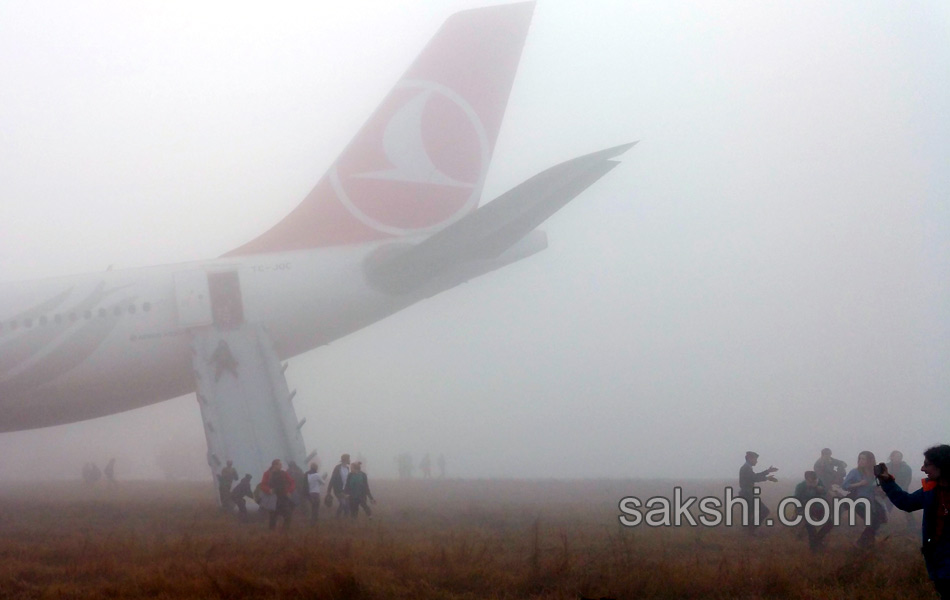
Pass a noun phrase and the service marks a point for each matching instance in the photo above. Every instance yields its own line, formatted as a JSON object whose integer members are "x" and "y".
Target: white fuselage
{"x": 79, "y": 347}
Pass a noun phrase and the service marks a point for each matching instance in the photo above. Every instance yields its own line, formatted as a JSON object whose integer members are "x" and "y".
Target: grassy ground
{"x": 428, "y": 539}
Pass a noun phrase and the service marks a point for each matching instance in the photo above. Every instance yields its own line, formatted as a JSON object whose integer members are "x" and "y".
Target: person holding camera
{"x": 934, "y": 499}
{"x": 860, "y": 484}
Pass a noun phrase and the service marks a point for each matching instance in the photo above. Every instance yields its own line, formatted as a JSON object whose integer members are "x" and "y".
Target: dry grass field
{"x": 427, "y": 539}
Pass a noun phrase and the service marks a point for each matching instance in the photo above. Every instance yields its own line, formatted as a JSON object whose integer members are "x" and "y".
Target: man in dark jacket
{"x": 241, "y": 491}
{"x": 747, "y": 480}
{"x": 276, "y": 481}
{"x": 810, "y": 488}
{"x": 226, "y": 478}
{"x": 338, "y": 477}
{"x": 934, "y": 499}
{"x": 831, "y": 471}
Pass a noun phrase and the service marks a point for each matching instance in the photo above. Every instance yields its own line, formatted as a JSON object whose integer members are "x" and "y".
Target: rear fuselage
{"x": 79, "y": 347}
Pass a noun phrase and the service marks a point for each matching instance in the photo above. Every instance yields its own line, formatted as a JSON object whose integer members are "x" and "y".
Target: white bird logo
{"x": 409, "y": 161}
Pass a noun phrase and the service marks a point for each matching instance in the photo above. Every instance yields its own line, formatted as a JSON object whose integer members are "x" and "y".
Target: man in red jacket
{"x": 276, "y": 481}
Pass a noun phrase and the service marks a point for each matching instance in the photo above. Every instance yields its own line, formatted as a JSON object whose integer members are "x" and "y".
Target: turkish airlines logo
{"x": 418, "y": 164}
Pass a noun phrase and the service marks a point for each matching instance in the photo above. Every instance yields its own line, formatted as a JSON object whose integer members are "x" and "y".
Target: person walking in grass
{"x": 338, "y": 479}
{"x": 299, "y": 495}
{"x": 747, "y": 480}
{"x": 859, "y": 483}
{"x": 357, "y": 491}
{"x": 809, "y": 489}
{"x": 241, "y": 491}
{"x": 315, "y": 482}
{"x": 226, "y": 478}
{"x": 276, "y": 481}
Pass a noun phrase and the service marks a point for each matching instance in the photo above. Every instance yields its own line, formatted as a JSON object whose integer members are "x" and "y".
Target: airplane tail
{"x": 419, "y": 162}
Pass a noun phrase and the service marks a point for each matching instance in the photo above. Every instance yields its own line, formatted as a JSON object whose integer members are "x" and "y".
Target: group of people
{"x": 92, "y": 474}
{"x": 405, "y": 466}
{"x": 280, "y": 492}
{"x": 830, "y": 478}
{"x": 884, "y": 486}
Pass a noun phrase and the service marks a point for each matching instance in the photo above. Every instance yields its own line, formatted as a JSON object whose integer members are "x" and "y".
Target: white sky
{"x": 768, "y": 269}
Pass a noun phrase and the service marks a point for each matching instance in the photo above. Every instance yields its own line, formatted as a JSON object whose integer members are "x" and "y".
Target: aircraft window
{"x": 117, "y": 311}
{"x": 43, "y": 320}
{"x": 87, "y": 314}
{"x": 12, "y": 325}
{"x": 147, "y": 306}
{"x": 28, "y": 322}
{"x": 102, "y": 312}
{"x": 131, "y": 309}
{"x": 72, "y": 317}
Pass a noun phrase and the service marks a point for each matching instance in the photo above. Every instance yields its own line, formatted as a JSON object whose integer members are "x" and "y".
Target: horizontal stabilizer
{"x": 493, "y": 228}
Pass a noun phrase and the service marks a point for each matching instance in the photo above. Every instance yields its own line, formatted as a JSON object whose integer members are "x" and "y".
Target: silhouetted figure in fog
{"x": 237, "y": 496}
{"x": 109, "y": 471}
{"x": 830, "y": 471}
{"x": 902, "y": 476}
{"x": 747, "y": 480}
{"x": 276, "y": 481}
{"x": 810, "y": 488}
{"x": 425, "y": 465}
{"x": 357, "y": 491}
{"x": 226, "y": 478}
{"x": 440, "y": 463}
{"x": 223, "y": 360}
{"x": 338, "y": 479}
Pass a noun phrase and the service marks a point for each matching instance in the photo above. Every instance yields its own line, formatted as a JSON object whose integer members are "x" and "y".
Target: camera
{"x": 880, "y": 469}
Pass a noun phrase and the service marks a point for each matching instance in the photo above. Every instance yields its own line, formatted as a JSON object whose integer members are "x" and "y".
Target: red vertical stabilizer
{"x": 419, "y": 162}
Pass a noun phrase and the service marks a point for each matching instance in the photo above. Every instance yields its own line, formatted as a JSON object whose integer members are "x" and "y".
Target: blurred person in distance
{"x": 902, "y": 475}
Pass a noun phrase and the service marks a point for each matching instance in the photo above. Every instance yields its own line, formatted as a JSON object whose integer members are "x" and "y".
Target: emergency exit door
{"x": 227, "y": 307}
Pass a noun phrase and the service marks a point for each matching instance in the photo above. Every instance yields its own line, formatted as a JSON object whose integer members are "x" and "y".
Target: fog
{"x": 766, "y": 270}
